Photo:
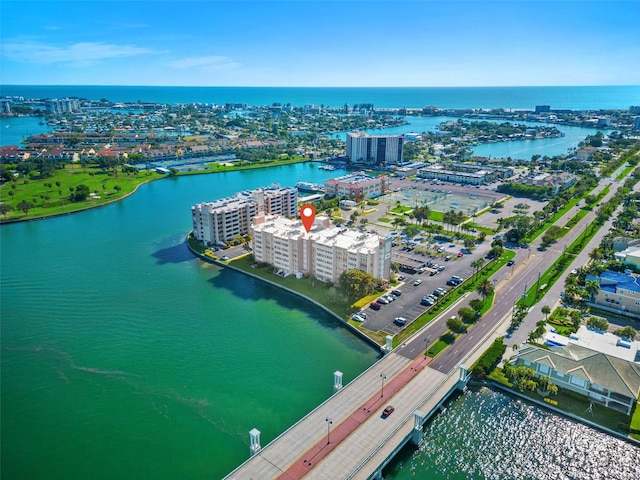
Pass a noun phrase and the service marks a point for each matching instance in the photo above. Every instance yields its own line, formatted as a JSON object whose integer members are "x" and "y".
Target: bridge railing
{"x": 425, "y": 400}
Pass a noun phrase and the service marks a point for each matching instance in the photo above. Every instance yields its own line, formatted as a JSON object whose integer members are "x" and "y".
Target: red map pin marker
{"x": 307, "y": 215}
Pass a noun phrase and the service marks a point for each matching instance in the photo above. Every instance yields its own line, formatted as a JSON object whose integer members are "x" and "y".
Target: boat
{"x": 309, "y": 187}
{"x": 329, "y": 168}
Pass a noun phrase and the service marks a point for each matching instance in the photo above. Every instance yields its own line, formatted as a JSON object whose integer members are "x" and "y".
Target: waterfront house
{"x": 618, "y": 293}
{"x": 604, "y": 379}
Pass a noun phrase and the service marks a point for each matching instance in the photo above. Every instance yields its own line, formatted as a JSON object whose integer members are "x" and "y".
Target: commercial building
{"x": 618, "y": 293}
{"x": 325, "y": 252}
{"x": 356, "y": 186}
{"x": 374, "y": 150}
{"x": 215, "y": 223}
{"x": 604, "y": 379}
{"x": 465, "y": 173}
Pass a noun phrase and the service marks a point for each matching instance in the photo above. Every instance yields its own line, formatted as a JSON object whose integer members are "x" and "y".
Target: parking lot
{"x": 407, "y": 305}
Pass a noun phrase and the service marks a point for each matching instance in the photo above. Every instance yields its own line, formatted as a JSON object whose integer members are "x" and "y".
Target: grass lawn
{"x": 578, "y": 405}
{"x": 325, "y": 294}
{"x": 55, "y": 199}
{"x": 635, "y": 422}
{"x": 435, "y": 348}
{"x": 216, "y": 167}
{"x": 497, "y": 375}
{"x": 625, "y": 172}
{"x": 401, "y": 209}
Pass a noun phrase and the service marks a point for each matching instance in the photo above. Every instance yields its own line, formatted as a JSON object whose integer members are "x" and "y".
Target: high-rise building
{"x": 325, "y": 251}
{"x": 64, "y": 105}
{"x": 215, "y": 223}
{"x": 636, "y": 123}
{"x": 374, "y": 150}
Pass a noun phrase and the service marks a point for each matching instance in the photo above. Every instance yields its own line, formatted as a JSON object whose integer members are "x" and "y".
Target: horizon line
{"x": 309, "y": 86}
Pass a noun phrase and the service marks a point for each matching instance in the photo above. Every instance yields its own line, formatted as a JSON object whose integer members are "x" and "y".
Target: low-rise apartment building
{"x": 618, "y": 293}
{"x": 464, "y": 173}
{"x": 217, "y": 222}
{"x": 356, "y": 186}
{"x": 325, "y": 251}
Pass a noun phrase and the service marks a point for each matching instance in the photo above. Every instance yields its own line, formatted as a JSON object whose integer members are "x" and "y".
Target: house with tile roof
{"x": 604, "y": 379}
{"x": 618, "y": 293}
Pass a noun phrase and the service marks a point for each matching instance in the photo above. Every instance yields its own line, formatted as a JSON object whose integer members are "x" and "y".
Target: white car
{"x": 417, "y": 282}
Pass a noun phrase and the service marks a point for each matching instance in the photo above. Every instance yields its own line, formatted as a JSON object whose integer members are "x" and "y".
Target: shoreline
{"x": 358, "y": 333}
{"x": 84, "y": 209}
{"x": 126, "y": 195}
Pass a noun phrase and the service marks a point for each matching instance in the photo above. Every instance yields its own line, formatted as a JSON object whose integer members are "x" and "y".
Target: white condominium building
{"x": 217, "y": 222}
{"x": 325, "y": 252}
{"x": 374, "y": 150}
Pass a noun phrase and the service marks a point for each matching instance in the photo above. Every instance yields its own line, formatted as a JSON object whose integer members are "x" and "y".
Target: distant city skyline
{"x": 320, "y": 43}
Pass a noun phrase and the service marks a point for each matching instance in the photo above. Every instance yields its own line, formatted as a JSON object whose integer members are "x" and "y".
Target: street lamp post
{"x": 329, "y": 423}
{"x": 383, "y": 377}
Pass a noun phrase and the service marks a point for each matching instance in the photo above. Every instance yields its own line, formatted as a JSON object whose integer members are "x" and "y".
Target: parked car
{"x": 400, "y": 321}
{"x": 383, "y": 301}
{"x": 447, "y": 258}
{"x": 441, "y": 268}
{"x": 357, "y": 318}
{"x": 460, "y": 254}
{"x": 417, "y": 282}
{"x": 401, "y": 277}
{"x": 397, "y": 293}
{"x": 375, "y": 306}
{"x": 388, "y": 411}
{"x": 427, "y": 302}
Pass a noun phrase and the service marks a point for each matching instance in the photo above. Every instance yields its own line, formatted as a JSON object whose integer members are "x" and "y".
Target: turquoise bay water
{"x": 15, "y": 129}
{"x": 124, "y": 357}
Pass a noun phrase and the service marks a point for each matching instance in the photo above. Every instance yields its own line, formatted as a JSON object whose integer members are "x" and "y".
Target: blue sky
{"x": 320, "y": 43}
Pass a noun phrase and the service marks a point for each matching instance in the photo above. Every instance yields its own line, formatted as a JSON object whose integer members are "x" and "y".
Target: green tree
{"x": 81, "y": 193}
{"x": 626, "y": 332}
{"x": 546, "y": 310}
{"x": 357, "y": 283}
{"x": 454, "y": 324}
{"x": 598, "y": 323}
{"x": 485, "y": 289}
{"x": 25, "y": 206}
{"x": 476, "y": 304}
{"x": 5, "y": 208}
{"x": 467, "y": 314}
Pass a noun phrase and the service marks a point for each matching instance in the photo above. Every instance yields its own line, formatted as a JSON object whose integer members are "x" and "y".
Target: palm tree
{"x": 546, "y": 310}
{"x": 592, "y": 287}
{"x": 485, "y": 289}
{"x": 477, "y": 265}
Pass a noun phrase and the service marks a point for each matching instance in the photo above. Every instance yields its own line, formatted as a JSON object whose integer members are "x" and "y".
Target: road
{"x": 510, "y": 284}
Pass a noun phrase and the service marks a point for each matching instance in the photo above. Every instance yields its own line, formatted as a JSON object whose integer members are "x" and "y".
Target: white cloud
{"x": 76, "y": 53}
{"x": 211, "y": 62}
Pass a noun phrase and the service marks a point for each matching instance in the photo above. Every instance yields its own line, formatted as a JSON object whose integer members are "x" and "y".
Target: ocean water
{"x": 576, "y": 98}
